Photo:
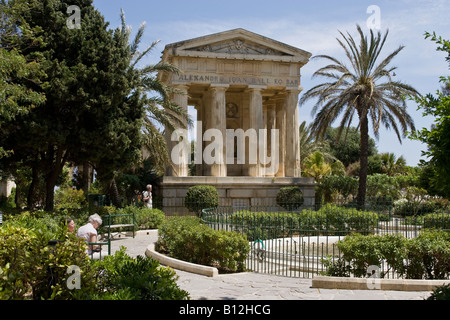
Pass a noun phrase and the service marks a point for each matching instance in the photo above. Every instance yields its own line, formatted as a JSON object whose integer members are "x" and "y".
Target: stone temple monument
{"x": 245, "y": 89}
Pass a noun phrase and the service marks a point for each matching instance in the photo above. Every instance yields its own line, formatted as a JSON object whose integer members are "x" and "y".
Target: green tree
{"x": 158, "y": 111}
{"x": 318, "y": 166}
{"x": 308, "y": 143}
{"x": 364, "y": 91}
{"x": 85, "y": 116}
{"x": 18, "y": 75}
{"x": 437, "y": 137}
{"x": 392, "y": 165}
{"x": 348, "y": 148}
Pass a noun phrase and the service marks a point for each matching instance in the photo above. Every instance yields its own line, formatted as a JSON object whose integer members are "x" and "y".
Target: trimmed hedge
{"x": 290, "y": 198}
{"x": 424, "y": 257}
{"x": 328, "y": 220}
{"x": 186, "y": 238}
{"x": 201, "y": 197}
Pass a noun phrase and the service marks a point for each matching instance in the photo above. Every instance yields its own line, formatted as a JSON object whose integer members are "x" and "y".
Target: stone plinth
{"x": 233, "y": 191}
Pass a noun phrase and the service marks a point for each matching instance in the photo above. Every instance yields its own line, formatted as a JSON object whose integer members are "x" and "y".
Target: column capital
{"x": 294, "y": 90}
{"x": 255, "y": 87}
{"x": 219, "y": 87}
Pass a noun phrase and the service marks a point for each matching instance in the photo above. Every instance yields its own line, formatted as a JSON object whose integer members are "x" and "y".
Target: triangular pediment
{"x": 237, "y": 44}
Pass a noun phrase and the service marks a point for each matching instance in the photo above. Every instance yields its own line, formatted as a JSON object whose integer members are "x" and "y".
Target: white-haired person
{"x": 147, "y": 197}
{"x": 88, "y": 232}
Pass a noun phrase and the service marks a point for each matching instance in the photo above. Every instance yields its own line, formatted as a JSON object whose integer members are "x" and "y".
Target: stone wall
{"x": 233, "y": 191}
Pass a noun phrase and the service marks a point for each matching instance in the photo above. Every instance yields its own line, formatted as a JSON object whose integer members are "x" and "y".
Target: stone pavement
{"x": 254, "y": 286}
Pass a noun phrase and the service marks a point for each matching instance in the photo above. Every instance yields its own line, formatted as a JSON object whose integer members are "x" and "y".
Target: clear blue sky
{"x": 309, "y": 25}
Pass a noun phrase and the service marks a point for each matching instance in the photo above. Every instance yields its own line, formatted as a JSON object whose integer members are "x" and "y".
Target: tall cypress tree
{"x": 90, "y": 113}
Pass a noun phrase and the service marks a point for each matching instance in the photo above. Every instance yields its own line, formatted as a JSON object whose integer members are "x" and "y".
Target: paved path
{"x": 254, "y": 286}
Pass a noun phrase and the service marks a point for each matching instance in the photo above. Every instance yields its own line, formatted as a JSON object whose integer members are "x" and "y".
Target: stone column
{"x": 218, "y": 120}
{"x": 281, "y": 126}
{"x": 271, "y": 125}
{"x": 292, "y": 157}
{"x": 256, "y": 123}
{"x": 180, "y": 168}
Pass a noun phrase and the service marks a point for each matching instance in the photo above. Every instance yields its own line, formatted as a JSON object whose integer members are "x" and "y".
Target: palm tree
{"x": 161, "y": 111}
{"x": 318, "y": 167}
{"x": 155, "y": 96}
{"x": 308, "y": 143}
{"x": 365, "y": 90}
{"x": 391, "y": 165}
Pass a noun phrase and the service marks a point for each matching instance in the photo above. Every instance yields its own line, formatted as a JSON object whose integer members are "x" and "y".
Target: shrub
{"x": 141, "y": 278}
{"x": 440, "y": 293}
{"x": 436, "y": 221}
{"x": 201, "y": 197}
{"x": 145, "y": 218}
{"x": 186, "y": 238}
{"x": 30, "y": 268}
{"x": 290, "y": 198}
{"x": 328, "y": 220}
{"x": 69, "y": 198}
{"x": 429, "y": 256}
{"x": 407, "y": 208}
{"x": 424, "y": 257}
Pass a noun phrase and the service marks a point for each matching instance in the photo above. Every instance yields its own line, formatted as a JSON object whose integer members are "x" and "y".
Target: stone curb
{"x": 180, "y": 265}
{"x": 376, "y": 284}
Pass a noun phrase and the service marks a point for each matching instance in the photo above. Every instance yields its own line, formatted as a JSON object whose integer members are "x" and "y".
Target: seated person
{"x": 88, "y": 232}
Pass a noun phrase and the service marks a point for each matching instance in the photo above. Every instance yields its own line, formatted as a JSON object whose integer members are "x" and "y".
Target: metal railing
{"x": 296, "y": 244}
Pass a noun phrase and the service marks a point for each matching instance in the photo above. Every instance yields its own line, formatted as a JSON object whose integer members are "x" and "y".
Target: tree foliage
{"x": 91, "y": 113}
{"x": 18, "y": 74}
{"x": 437, "y": 137}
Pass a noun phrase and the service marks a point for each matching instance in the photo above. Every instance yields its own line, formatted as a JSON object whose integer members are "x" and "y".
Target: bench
{"x": 118, "y": 221}
{"x": 106, "y": 243}
{"x": 1, "y": 218}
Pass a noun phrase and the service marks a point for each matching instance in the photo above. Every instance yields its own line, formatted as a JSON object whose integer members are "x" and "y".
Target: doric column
{"x": 178, "y": 156}
{"x": 281, "y": 126}
{"x": 256, "y": 123}
{"x": 218, "y": 121}
{"x": 292, "y": 157}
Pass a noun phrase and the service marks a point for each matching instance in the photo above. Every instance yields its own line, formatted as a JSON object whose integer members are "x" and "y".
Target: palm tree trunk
{"x": 363, "y": 162}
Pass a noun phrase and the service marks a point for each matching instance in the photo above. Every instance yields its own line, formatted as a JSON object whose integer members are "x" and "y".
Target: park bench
{"x": 118, "y": 222}
{"x": 107, "y": 242}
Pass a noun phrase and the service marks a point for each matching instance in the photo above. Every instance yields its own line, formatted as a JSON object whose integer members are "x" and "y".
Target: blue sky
{"x": 309, "y": 25}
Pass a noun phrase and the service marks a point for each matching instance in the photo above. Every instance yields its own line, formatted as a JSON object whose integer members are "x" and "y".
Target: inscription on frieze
{"x": 236, "y": 80}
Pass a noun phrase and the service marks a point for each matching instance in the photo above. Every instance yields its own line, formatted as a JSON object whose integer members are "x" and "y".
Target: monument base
{"x": 233, "y": 191}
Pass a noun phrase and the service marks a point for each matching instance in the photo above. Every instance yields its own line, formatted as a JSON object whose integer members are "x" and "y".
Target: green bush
{"x": 30, "y": 268}
{"x": 429, "y": 256}
{"x": 441, "y": 293}
{"x": 436, "y": 221}
{"x": 186, "y": 238}
{"x": 201, "y": 197}
{"x": 407, "y": 208}
{"x": 290, "y": 198}
{"x": 145, "y": 218}
{"x": 424, "y": 257}
{"x": 141, "y": 278}
{"x": 361, "y": 252}
{"x": 328, "y": 220}
{"x": 69, "y": 198}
